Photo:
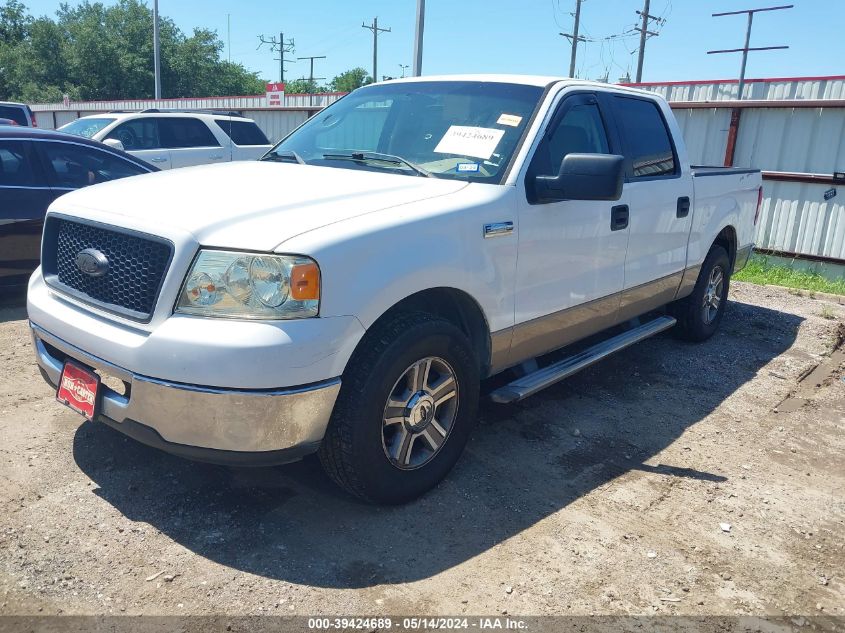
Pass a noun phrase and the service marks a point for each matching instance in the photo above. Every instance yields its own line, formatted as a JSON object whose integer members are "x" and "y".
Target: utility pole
{"x": 156, "y": 52}
{"x": 744, "y": 50}
{"x": 376, "y": 30}
{"x": 283, "y": 47}
{"x": 574, "y": 37}
{"x": 311, "y": 77}
{"x": 418, "y": 38}
{"x": 403, "y": 67}
{"x": 644, "y": 34}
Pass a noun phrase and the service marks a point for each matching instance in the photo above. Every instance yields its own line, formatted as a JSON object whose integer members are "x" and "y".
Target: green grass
{"x": 762, "y": 272}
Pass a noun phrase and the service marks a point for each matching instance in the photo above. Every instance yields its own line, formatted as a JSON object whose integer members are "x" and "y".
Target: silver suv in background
{"x": 175, "y": 139}
{"x": 20, "y": 113}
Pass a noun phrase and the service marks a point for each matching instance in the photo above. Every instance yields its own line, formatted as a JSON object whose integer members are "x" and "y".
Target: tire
{"x": 698, "y": 317}
{"x": 388, "y": 441}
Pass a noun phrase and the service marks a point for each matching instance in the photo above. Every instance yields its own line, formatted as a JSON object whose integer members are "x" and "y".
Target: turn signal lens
{"x": 305, "y": 282}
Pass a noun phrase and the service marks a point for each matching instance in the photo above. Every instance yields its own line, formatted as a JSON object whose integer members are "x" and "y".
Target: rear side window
{"x": 647, "y": 140}
{"x": 74, "y": 166}
{"x": 15, "y": 113}
{"x": 185, "y": 132}
{"x": 137, "y": 134}
{"x": 243, "y": 132}
{"x": 15, "y": 168}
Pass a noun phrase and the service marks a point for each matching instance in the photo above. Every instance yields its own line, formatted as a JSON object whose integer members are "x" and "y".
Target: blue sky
{"x": 521, "y": 36}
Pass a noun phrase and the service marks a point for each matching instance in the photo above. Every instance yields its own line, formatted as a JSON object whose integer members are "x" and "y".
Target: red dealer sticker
{"x": 78, "y": 389}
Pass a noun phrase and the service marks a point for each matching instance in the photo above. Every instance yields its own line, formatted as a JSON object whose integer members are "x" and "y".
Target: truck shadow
{"x": 524, "y": 463}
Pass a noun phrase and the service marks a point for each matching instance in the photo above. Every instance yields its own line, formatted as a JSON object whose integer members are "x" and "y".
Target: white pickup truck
{"x": 348, "y": 293}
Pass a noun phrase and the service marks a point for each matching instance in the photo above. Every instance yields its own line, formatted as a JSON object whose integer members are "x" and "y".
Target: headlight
{"x": 251, "y": 286}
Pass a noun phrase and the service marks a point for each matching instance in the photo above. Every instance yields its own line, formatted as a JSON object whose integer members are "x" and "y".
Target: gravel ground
{"x": 669, "y": 479}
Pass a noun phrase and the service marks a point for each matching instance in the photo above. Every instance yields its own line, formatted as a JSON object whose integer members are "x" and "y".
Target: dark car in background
{"x": 20, "y": 113}
{"x": 36, "y": 167}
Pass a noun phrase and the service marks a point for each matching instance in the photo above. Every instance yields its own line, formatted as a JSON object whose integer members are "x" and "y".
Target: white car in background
{"x": 175, "y": 139}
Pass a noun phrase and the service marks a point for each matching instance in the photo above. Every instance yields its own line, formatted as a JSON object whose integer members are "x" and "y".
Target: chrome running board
{"x": 547, "y": 376}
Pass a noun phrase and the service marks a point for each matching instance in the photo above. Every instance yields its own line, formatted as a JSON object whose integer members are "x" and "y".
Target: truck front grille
{"x": 137, "y": 263}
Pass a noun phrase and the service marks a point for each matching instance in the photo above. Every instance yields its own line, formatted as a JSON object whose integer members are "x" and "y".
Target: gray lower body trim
{"x": 548, "y": 333}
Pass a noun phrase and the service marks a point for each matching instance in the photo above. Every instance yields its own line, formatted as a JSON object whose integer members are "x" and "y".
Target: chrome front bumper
{"x": 231, "y": 426}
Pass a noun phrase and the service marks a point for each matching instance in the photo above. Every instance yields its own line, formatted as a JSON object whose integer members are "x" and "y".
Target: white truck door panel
{"x": 659, "y": 191}
{"x": 571, "y": 261}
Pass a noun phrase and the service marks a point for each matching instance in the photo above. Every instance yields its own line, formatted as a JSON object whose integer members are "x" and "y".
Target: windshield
{"x": 86, "y": 127}
{"x": 465, "y": 130}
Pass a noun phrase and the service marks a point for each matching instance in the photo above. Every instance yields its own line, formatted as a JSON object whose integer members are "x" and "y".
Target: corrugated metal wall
{"x": 762, "y": 89}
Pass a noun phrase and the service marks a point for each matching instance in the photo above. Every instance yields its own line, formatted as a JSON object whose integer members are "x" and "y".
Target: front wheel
{"x": 405, "y": 410}
{"x": 700, "y": 313}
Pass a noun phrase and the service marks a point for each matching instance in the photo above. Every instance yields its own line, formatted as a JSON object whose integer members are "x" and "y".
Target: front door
{"x": 141, "y": 137}
{"x": 570, "y": 270}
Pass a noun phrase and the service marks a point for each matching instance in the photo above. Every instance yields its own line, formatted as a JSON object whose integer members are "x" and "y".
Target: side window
{"x": 75, "y": 166}
{"x": 646, "y": 136}
{"x": 185, "y": 132}
{"x": 579, "y": 131}
{"x": 243, "y": 132}
{"x": 138, "y": 134}
{"x": 15, "y": 167}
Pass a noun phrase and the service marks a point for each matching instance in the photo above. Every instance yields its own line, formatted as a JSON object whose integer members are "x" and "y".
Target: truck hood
{"x": 250, "y": 204}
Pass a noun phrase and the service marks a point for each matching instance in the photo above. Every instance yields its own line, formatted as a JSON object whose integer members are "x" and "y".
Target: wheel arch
{"x": 726, "y": 238}
{"x": 456, "y": 306}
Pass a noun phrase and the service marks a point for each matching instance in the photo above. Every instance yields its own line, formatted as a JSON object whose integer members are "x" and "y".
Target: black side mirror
{"x": 583, "y": 177}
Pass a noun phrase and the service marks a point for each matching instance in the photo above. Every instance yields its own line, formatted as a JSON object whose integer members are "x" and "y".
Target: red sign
{"x": 275, "y": 94}
{"x": 78, "y": 389}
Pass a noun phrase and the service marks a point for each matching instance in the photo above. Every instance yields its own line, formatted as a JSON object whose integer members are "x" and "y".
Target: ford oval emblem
{"x": 92, "y": 262}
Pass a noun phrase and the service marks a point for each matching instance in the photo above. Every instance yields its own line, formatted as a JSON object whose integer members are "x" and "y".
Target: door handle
{"x": 619, "y": 217}
{"x": 497, "y": 229}
{"x": 158, "y": 159}
{"x": 683, "y": 207}
{"x": 216, "y": 156}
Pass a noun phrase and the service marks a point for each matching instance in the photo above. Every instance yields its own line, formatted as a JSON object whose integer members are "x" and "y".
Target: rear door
{"x": 24, "y": 198}
{"x": 659, "y": 192}
{"x": 141, "y": 137}
{"x": 191, "y": 142}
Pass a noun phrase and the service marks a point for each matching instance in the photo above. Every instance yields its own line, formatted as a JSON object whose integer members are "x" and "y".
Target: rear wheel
{"x": 405, "y": 410}
{"x": 700, "y": 313}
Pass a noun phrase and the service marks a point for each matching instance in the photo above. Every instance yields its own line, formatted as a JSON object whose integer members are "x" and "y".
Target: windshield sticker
{"x": 467, "y": 167}
{"x": 509, "y": 119}
{"x": 466, "y": 140}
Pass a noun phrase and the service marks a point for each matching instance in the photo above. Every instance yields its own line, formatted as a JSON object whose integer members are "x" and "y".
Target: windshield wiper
{"x": 364, "y": 157}
{"x": 284, "y": 155}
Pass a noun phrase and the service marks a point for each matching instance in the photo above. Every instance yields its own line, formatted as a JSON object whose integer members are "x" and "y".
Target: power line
{"x": 744, "y": 50}
{"x": 376, "y": 30}
{"x": 282, "y": 47}
{"x": 311, "y": 77}
{"x": 645, "y": 34}
{"x": 574, "y": 37}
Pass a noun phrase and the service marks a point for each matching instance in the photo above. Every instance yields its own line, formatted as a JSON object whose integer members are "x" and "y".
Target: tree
{"x": 351, "y": 80}
{"x": 304, "y": 86}
{"x": 91, "y": 51}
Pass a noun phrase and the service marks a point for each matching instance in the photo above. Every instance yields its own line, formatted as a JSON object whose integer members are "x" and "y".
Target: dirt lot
{"x": 604, "y": 494}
